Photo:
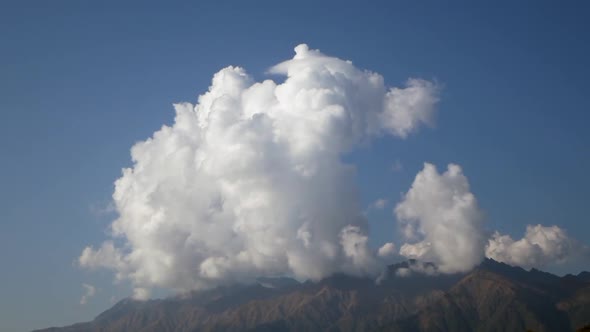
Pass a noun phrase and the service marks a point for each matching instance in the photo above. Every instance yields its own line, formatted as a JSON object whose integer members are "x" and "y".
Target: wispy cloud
{"x": 397, "y": 166}
{"x": 379, "y": 204}
{"x": 101, "y": 209}
{"x": 89, "y": 292}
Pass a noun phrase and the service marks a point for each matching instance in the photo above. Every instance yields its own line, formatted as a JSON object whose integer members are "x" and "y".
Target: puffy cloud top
{"x": 539, "y": 247}
{"x": 249, "y": 181}
{"x": 441, "y": 218}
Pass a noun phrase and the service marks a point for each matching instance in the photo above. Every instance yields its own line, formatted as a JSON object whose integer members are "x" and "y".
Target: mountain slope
{"x": 492, "y": 297}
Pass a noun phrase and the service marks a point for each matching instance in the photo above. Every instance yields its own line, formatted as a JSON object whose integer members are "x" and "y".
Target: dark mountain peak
{"x": 344, "y": 281}
{"x": 484, "y": 279}
{"x": 123, "y": 307}
{"x": 584, "y": 275}
{"x": 493, "y": 265}
{"x": 515, "y": 273}
{"x": 551, "y": 285}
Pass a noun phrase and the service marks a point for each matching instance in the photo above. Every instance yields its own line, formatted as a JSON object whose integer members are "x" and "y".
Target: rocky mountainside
{"x": 492, "y": 297}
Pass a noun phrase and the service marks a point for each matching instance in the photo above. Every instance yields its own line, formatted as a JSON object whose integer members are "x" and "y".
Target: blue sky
{"x": 82, "y": 81}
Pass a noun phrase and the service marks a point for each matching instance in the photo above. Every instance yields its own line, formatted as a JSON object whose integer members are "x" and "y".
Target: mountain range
{"x": 409, "y": 296}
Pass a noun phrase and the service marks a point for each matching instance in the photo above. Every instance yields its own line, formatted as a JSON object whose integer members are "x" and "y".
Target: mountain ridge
{"x": 492, "y": 297}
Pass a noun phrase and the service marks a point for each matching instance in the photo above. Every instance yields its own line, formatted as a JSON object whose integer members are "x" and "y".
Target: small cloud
{"x": 540, "y": 246}
{"x": 89, "y": 292}
{"x": 106, "y": 256}
{"x": 141, "y": 294}
{"x": 387, "y": 250}
{"x": 417, "y": 267}
{"x": 101, "y": 209}
{"x": 379, "y": 204}
{"x": 397, "y": 166}
{"x": 403, "y": 272}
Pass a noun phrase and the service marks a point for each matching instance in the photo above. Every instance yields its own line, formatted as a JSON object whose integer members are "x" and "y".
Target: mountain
{"x": 584, "y": 275}
{"x": 492, "y": 297}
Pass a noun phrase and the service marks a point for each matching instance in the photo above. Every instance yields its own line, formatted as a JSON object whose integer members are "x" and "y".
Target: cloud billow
{"x": 250, "y": 181}
{"x": 89, "y": 291}
{"x": 440, "y": 218}
{"x": 540, "y": 246}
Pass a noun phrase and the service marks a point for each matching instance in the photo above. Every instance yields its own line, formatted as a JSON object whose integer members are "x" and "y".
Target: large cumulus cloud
{"x": 249, "y": 181}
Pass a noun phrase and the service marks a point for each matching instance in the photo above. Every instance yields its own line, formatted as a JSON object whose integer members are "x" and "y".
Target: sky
{"x": 502, "y": 98}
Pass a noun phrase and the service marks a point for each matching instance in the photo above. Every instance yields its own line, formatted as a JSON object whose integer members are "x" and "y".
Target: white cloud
{"x": 354, "y": 244}
{"x": 250, "y": 181}
{"x": 540, "y": 246}
{"x": 387, "y": 250}
{"x": 379, "y": 204}
{"x": 141, "y": 294}
{"x": 418, "y": 250}
{"x": 107, "y": 256}
{"x": 403, "y": 272}
{"x": 411, "y": 107}
{"x": 417, "y": 267}
{"x": 441, "y": 218}
{"x": 89, "y": 292}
